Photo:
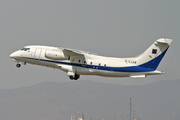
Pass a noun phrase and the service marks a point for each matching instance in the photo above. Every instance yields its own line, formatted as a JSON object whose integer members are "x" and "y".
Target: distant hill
{"x": 59, "y": 101}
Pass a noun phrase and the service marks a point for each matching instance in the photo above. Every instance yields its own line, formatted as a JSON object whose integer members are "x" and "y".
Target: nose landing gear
{"x": 18, "y": 65}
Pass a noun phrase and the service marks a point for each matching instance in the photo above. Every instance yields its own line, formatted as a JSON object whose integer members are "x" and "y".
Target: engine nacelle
{"x": 55, "y": 55}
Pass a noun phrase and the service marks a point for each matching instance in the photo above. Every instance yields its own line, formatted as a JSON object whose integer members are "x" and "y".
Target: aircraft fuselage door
{"x": 37, "y": 54}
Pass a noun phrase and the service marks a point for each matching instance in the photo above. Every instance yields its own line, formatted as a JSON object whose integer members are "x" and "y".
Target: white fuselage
{"x": 88, "y": 64}
{"x": 76, "y": 63}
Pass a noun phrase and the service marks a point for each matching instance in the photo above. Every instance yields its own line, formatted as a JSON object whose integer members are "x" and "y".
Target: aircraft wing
{"x": 72, "y": 52}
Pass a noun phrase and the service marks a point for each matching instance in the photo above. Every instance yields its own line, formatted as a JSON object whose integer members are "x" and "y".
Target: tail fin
{"x": 154, "y": 54}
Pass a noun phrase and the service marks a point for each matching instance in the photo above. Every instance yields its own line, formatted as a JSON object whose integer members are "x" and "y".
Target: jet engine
{"x": 56, "y": 55}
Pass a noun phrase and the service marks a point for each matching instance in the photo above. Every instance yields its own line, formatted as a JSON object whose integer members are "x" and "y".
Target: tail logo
{"x": 154, "y": 51}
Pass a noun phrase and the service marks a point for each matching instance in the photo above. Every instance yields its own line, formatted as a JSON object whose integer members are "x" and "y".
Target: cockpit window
{"x": 25, "y": 49}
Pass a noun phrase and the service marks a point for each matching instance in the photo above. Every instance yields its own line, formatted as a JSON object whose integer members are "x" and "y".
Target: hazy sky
{"x": 107, "y": 27}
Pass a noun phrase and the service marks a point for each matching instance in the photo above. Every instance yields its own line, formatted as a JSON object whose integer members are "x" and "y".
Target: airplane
{"x": 76, "y": 62}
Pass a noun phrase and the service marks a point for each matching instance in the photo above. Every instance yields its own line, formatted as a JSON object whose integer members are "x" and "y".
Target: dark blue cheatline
{"x": 106, "y": 68}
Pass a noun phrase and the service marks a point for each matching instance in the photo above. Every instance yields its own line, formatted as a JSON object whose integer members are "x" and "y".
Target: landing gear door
{"x": 37, "y": 54}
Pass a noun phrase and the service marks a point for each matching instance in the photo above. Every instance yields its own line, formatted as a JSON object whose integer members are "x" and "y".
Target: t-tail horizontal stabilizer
{"x": 137, "y": 76}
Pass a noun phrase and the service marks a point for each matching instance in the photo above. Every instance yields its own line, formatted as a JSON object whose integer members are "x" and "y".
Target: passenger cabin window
{"x": 79, "y": 61}
{"x": 99, "y": 64}
{"x": 104, "y": 65}
{"x": 91, "y": 63}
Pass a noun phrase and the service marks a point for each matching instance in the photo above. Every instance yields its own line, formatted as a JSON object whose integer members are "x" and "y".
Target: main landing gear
{"x": 74, "y": 77}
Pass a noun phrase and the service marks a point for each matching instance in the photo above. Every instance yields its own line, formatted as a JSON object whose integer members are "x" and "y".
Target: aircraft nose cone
{"x": 14, "y": 55}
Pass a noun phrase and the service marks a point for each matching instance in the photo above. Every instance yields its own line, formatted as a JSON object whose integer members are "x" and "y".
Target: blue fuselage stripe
{"x": 106, "y": 68}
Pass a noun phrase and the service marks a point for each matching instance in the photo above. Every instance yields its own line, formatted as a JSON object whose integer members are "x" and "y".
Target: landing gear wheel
{"x": 71, "y": 77}
{"x": 18, "y": 65}
{"x": 75, "y": 77}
